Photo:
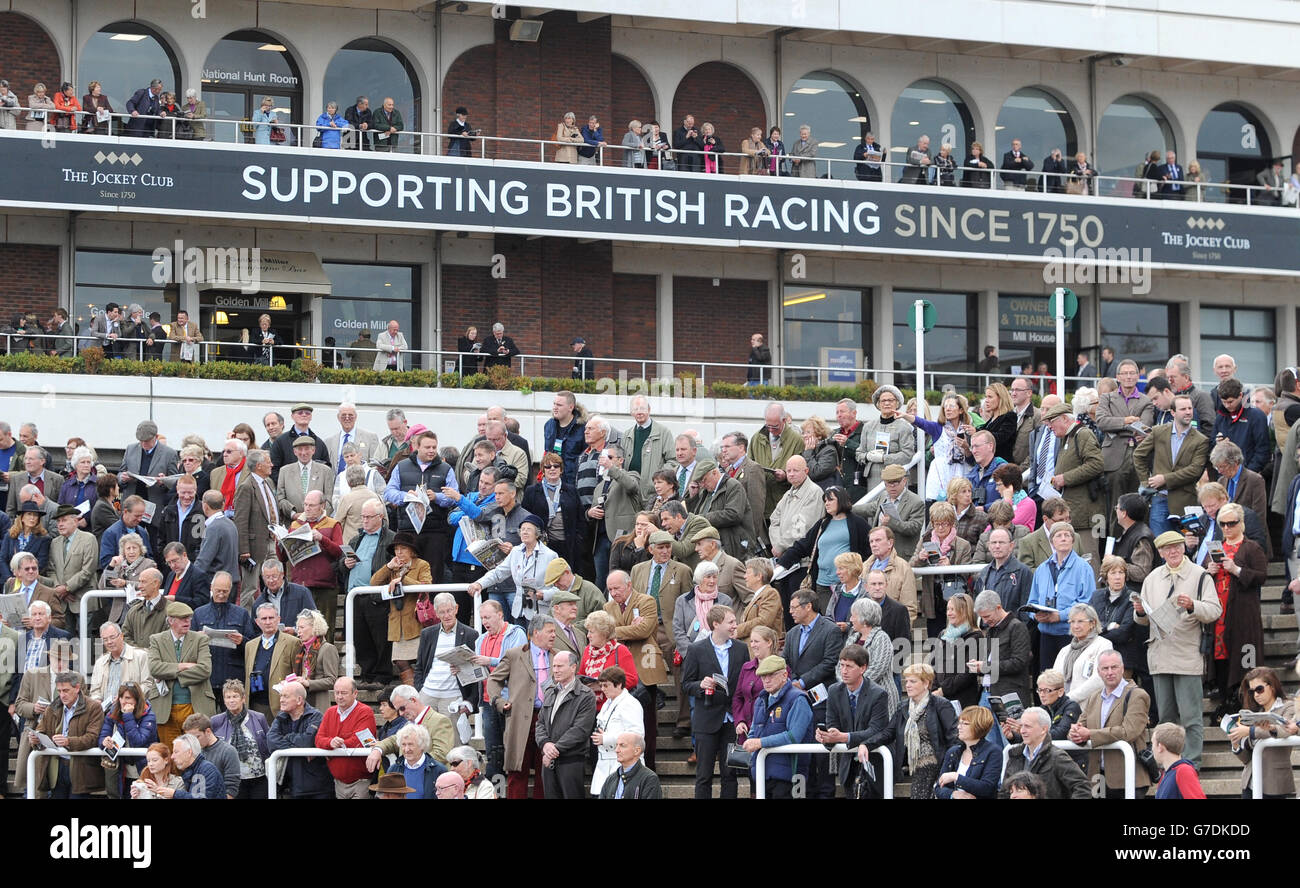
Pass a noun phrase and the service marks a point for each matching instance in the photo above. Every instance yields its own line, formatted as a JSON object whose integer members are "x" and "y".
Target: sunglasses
{"x": 1229, "y": 523}
{"x": 1258, "y": 689}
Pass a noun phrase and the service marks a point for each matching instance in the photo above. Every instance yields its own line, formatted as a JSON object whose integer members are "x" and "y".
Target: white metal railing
{"x": 1257, "y": 761}
{"x": 1125, "y": 749}
{"x": 272, "y": 787}
{"x": 37, "y": 753}
{"x": 931, "y": 174}
{"x": 349, "y": 624}
{"x": 760, "y": 762}
{"x": 83, "y": 620}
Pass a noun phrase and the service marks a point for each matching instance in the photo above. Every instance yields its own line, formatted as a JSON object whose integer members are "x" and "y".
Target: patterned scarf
{"x": 305, "y": 660}
{"x": 920, "y": 752}
{"x": 703, "y": 604}
{"x": 1077, "y": 647}
{"x": 245, "y": 746}
{"x": 945, "y": 543}
{"x": 594, "y": 665}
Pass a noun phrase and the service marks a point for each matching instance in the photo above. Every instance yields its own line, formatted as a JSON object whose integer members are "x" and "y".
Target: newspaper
{"x": 13, "y": 609}
{"x": 298, "y": 544}
{"x": 467, "y": 671}
{"x": 217, "y": 638}
{"x": 150, "y": 509}
{"x": 1164, "y": 619}
{"x": 486, "y": 550}
{"x": 417, "y": 506}
{"x": 890, "y": 508}
{"x": 47, "y": 743}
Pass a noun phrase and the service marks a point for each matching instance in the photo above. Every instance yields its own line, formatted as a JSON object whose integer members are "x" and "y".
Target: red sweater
{"x": 346, "y": 768}
{"x": 317, "y": 572}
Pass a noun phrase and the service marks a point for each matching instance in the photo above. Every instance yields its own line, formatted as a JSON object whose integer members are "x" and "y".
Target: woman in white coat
{"x": 1077, "y": 661}
{"x": 622, "y": 713}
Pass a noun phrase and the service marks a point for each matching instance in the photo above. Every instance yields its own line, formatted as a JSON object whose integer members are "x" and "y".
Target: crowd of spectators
{"x": 689, "y": 147}
{"x": 1118, "y": 548}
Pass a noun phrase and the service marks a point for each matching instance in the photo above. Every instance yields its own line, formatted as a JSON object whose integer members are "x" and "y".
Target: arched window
{"x": 837, "y": 114}
{"x": 124, "y": 57}
{"x": 1041, "y": 123}
{"x": 241, "y": 69}
{"x": 929, "y": 108}
{"x": 373, "y": 68}
{"x": 1129, "y": 131}
{"x": 1232, "y": 146}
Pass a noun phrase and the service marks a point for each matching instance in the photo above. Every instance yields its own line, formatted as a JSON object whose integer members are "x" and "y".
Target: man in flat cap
{"x": 148, "y": 457}
{"x": 583, "y": 365}
{"x": 1182, "y": 597}
{"x": 560, "y": 575}
{"x": 724, "y": 504}
{"x": 1079, "y": 470}
{"x": 300, "y": 476}
{"x": 731, "y": 571}
{"x": 781, "y": 716}
{"x": 568, "y": 635}
{"x": 281, "y": 449}
{"x": 899, "y": 509}
{"x": 663, "y": 579}
{"x": 180, "y": 663}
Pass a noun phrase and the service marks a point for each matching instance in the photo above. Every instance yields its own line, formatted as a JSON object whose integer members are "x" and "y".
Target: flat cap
{"x": 1170, "y": 538}
{"x": 893, "y": 473}
{"x": 770, "y": 665}
{"x": 1056, "y": 410}
{"x": 554, "y": 571}
{"x": 702, "y": 468}
{"x": 658, "y": 538}
{"x": 179, "y": 609}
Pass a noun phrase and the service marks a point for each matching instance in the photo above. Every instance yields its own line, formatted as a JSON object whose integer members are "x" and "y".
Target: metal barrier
{"x": 1257, "y": 761}
{"x": 1125, "y": 749}
{"x": 760, "y": 765}
{"x": 129, "y": 751}
{"x": 272, "y": 790}
{"x": 349, "y": 626}
{"x": 83, "y": 635}
{"x": 875, "y": 172}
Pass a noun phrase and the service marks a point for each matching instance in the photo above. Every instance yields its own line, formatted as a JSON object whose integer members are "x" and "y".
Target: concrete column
{"x": 881, "y": 355}
{"x": 987, "y": 320}
{"x": 776, "y": 314}
{"x": 1285, "y": 332}
{"x": 1189, "y": 331}
{"x": 664, "y": 322}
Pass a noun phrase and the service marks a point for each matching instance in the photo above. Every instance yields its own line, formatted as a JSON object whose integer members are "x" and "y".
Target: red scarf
{"x": 228, "y": 483}
{"x": 594, "y": 664}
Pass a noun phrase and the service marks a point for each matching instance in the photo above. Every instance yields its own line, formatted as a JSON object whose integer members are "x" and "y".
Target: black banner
{"x": 416, "y": 191}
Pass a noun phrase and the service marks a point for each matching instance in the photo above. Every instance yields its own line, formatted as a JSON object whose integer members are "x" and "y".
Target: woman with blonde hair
{"x": 940, "y": 546}
{"x": 764, "y": 608}
{"x": 317, "y": 662}
{"x": 951, "y": 443}
{"x": 999, "y": 419}
{"x": 569, "y": 136}
{"x": 971, "y": 519}
{"x": 925, "y": 727}
{"x": 821, "y": 451}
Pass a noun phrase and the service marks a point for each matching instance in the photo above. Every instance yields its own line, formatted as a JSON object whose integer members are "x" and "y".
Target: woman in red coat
{"x": 65, "y": 101}
{"x": 1238, "y": 578}
{"x": 603, "y": 651}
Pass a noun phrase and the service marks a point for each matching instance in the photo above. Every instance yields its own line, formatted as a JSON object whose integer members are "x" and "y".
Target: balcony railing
{"x": 883, "y": 172}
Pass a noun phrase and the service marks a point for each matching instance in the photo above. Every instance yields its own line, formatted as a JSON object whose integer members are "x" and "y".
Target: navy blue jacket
{"x": 575, "y": 525}
{"x": 202, "y": 780}
{"x": 138, "y": 732}
{"x": 1250, "y": 432}
{"x": 981, "y": 778}
{"x": 38, "y": 545}
{"x": 779, "y": 721}
{"x": 433, "y": 769}
{"x": 304, "y": 775}
{"x": 570, "y": 449}
{"x": 226, "y": 663}
{"x": 294, "y": 601}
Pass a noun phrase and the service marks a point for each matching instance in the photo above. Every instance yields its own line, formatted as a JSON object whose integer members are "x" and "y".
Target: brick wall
{"x": 630, "y": 96}
{"x": 468, "y": 300}
{"x": 470, "y": 82}
{"x": 723, "y": 95}
{"x": 577, "y": 297}
{"x": 27, "y": 55}
{"x": 702, "y": 331}
{"x": 30, "y": 282}
{"x": 635, "y": 324}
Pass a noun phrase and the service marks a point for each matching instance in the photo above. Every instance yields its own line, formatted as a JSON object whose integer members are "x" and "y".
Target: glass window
{"x": 949, "y": 346}
{"x": 1027, "y": 333}
{"x": 1040, "y": 122}
{"x": 241, "y": 69}
{"x": 124, "y": 57}
{"x": 1244, "y": 333}
{"x": 373, "y": 68}
{"x": 123, "y": 278}
{"x": 368, "y": 297}
{"x": 817, "y": 319}
{"x": 1129, "y": 131}
{"x": 836, "y": 113}
{"x": 1146, "y": 332}
{"x": 928, "y": 108}
{"x": 1231, "y": 146}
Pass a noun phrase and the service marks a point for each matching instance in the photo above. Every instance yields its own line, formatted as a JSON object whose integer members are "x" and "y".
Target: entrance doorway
{"x": 232, "y": 318}
{"x": 237, "y": 105}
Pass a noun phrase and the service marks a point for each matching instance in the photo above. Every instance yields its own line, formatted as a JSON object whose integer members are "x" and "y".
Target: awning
{"x": 279, "y": 272}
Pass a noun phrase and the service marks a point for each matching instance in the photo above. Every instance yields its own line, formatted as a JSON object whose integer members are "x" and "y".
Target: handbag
{"x": 737, "y": 758}
{"x": 1146, "y": 759}
{"x": 1077, "y": 186}
{"x": 277, "y": 134}
{"x": 424, "y": 611}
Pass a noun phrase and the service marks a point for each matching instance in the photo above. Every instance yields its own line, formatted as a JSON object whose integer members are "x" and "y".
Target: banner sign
{"x": 211, "y": 181}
